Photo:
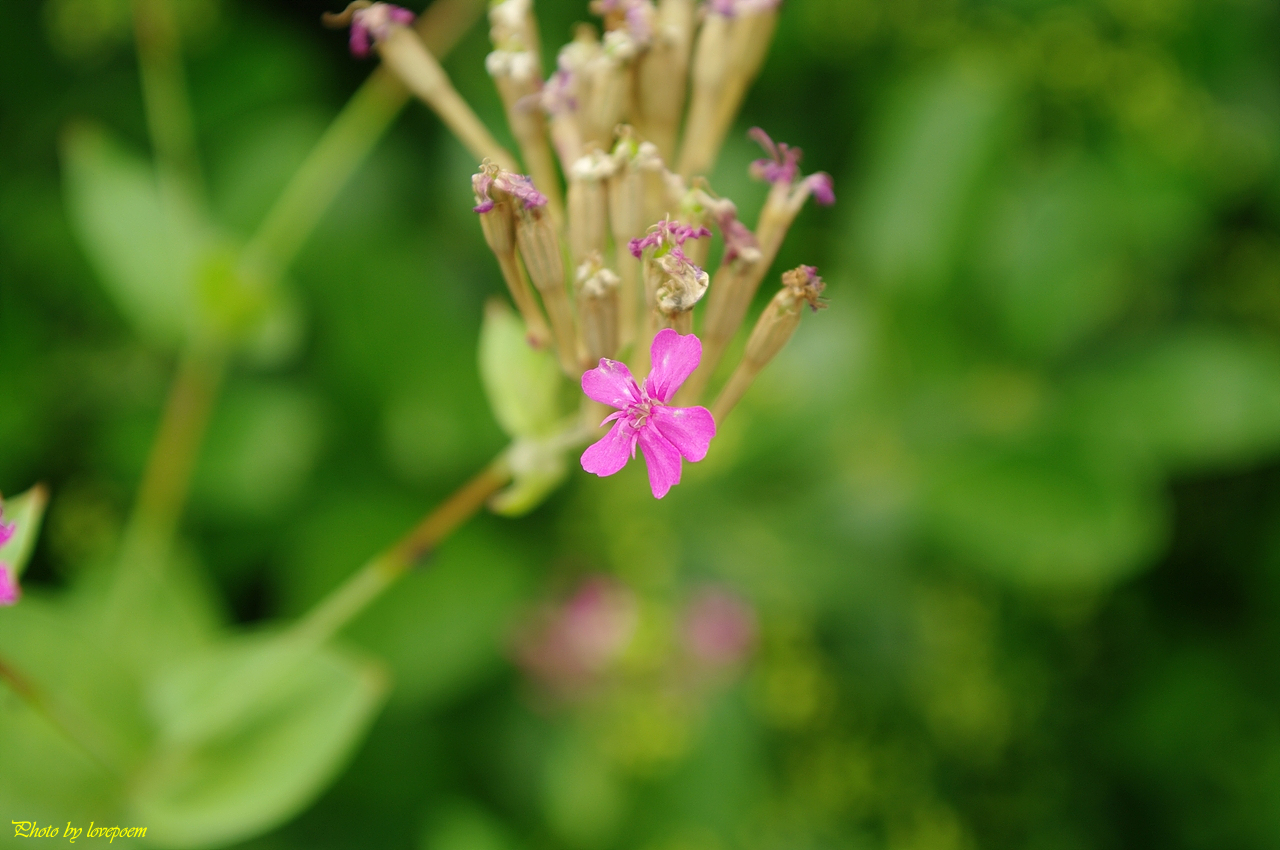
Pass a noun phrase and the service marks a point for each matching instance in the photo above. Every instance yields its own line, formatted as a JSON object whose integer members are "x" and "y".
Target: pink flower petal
{"x": 359, "y": 41}
{"x": 662, "y": 459}
{"x": 612, "y": 451}
{"x": 9, "y": 590}
{"x": 689, "y": 429}
{"x": 674, "y": 358}
{"x": 611, "y": 383}
{"x": 6, "y": 531}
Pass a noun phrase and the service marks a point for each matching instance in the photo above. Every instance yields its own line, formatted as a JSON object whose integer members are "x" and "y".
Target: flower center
{"x": 640, "y": 413}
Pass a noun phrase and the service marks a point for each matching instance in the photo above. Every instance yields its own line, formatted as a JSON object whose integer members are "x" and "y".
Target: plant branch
{"x": 164, "y": 92}
{"x": 167, "y": 477}
{"x": 381, "y": 571}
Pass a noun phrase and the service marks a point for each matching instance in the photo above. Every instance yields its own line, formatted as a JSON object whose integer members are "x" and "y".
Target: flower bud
{"x": 777, "y": 323}
{"x": 589, "y": 205}
{"x": 540, "y": 249}
{"x": 499, "y": 194}
{"x": 597, "y": 310}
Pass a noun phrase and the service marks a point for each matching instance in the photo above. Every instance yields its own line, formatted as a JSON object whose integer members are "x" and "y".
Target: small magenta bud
{"x": 369, "y": 22}
{"x": 10, "y": 592}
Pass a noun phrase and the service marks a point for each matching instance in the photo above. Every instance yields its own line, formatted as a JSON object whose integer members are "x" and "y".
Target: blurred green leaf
{"x": 1044, "y": 519}
{"x": 464, "y": 826}
{"x": 522, "y": 383}
{"x": 1056, "y": 261}
{"x": 144, "y": 249}
{"x": 25, "y": 511}
{"x": 941, "y": 134}
{"x": 219, "y": 776}
{"x": 59, "y": 649}
{"x": 1194, "y": 398}
{"x": 262, "y": 444}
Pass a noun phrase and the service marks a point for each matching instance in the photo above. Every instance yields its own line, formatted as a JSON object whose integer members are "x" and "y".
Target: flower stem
{"x": 164, "y": 95}
{"x": 382, "y": 570}
{"x": 167, "y": 477}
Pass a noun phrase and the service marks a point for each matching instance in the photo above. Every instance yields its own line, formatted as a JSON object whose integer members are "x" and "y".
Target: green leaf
{"x": 144, "y": 247}
{"x": 1056, "y": 261}
{"x": 522, "y": 383}
{"x": 25, "y": 511}
{"x": 1046, "y": 518}
{"x": 1192, "y": 400}
{"x": 223, "y": 775}
{"x": 928, "y": 164}
{"x": 263, "y": 442}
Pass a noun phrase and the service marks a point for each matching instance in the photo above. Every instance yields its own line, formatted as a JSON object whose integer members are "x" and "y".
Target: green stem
{"x": 348, "y": 142}
{"x": 381, "y": 571}
{"x": 164, "y": 94}
{"x": 167, "y": 477}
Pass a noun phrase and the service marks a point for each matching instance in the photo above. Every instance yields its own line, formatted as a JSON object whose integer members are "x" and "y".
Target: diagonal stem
{"x": 382, "y": 570}
{"x": 40, "y": 704}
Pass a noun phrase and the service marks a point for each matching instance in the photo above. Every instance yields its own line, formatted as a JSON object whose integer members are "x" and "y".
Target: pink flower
{"x": 373, "y": 23}
{"x": 665, "y": 434}
{"x": 569, "y": 645}
{"x": 719, "y": 628}
{"x": 9, "y": 590}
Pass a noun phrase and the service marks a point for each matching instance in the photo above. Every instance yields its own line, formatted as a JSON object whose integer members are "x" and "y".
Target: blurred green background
{"x": 1006, "y": 512}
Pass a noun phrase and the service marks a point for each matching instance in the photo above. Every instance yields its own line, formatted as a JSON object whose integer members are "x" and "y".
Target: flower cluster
{"x": 615, "y": 158}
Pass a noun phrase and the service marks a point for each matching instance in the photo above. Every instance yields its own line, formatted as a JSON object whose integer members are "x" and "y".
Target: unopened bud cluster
{"x": 603, "y": 235}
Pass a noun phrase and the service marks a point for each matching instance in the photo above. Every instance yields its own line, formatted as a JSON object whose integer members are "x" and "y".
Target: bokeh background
{"x": 996, "y": 536}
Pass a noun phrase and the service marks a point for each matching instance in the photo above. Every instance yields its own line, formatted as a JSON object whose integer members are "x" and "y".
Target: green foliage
{"x": 146, "y": 249}
{"x": 1005, "y": 513}
{"x": 522, "y": 382}
{"x": 223, "y": 770}
{"x": 523, "y": 385}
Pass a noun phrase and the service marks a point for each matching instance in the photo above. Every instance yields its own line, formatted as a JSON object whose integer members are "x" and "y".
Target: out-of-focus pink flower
{"x": 719, "y": 628}
{"x": 782, "y": 168}
{"x": 665, "y": 434}
{"x": 578, "y": 639}
{"x": 373, "y": 24}
{"x": 10, "y": 592}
